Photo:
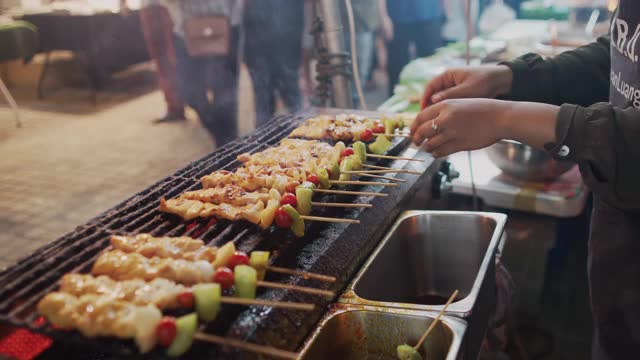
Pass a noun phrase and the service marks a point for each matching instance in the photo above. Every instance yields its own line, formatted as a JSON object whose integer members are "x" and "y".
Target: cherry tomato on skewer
{"x": 224, "y": 277}
{"x": 289, "y": 198}
{"x": 313, "y": 178}
{"x": 378, "y": 129}
{"x": 186, "y": 299}
{"x": 283, "y": 220}
{"x": 166, "y": 331}
{"x": 367, "y": 135}
{"x": 238, "y": 258}
{"x": 347, "y": 152}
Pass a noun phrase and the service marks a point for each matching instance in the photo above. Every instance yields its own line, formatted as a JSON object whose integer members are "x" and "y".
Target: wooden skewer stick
{"x": 384, "y": 177}
{"x": 303, "y": 289}
{"x": 304, "y": 274}
{"x": 376, "y": 167}
{"x": 394, "y": 157}
{"x": 344, "y": 205}
{"x": 348, "y": 192}
{"x": 259, "y": 302}
{"x": 435, "y": 321}
{"x": 393, "y": 135}
{"x": 360, "y": 172}
{"x": 357, "y": 182}
{"x": 243, "y": 345}
{"x": 328, "y": 219}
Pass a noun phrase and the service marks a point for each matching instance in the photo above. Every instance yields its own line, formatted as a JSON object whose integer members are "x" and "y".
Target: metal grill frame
{"x": 333, "y": 249}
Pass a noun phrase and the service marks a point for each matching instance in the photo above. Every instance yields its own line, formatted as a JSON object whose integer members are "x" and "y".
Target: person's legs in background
{"x": 223, "y": 115}
{"x": 157, "y": 29}
{"x": 263, "y": 86}
{"x": 427, "y": 35}
{"x": 369, "y": 82}
{"x": 285, "y": 60}
{"x": 397, "y": 53}
{"x": 365, "y": 45}
{"x": 192, "y": 82}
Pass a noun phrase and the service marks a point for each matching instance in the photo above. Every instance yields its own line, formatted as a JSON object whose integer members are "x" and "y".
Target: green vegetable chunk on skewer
{"x": 259, "y": 261}
{"x": 208, "y": 298}
{"x": 245, "y": 281}
{"x": 406, "y": 352}
{"x": 380, "y": 146}
{"x": 186, "y": 327}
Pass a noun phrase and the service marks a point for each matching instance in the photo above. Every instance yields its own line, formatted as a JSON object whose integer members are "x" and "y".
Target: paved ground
{"x": 73, "y": 160}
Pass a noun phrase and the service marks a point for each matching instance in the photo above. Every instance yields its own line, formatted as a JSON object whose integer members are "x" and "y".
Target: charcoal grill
{"x": 332, "y": 249}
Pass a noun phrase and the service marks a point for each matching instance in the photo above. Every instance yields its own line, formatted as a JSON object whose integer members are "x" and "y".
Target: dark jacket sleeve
{"x": 604, "y": 141}
{"x": 579, "y": 76}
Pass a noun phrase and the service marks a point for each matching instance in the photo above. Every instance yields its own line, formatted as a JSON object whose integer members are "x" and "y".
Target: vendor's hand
{"x": 387, "y": 28}
{"x": 460, "y": 124}
{"x": 488, "y": 81}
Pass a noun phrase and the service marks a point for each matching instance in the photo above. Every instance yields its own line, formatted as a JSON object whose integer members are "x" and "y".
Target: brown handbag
{"x": 207, "y": 35}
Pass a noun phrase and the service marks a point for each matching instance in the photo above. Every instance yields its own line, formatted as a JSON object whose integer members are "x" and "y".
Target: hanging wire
{"x": 474, "y": 192}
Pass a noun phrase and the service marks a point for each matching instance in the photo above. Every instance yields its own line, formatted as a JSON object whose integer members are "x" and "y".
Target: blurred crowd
{"x": 197, "y": 46}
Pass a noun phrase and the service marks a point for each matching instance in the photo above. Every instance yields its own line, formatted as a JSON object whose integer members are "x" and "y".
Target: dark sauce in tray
{"x": 426, "y": 300}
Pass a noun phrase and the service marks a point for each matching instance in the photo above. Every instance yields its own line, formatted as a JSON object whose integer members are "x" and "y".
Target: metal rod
{"x": 333, "y": 35}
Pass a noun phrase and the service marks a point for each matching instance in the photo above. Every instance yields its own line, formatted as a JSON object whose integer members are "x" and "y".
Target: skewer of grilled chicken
{"x": 102, "y": 315}
{"x": 120, "y": 266}
{"x": 189, "y": 209}
{"x": 295, "y": 153}
{"x": 126, "y": 266}
{"x": 159, "y": 292}
{"x": 162, "y": 293}
{"x": 182, "y": 247}
{"x": 337, "y": 128}
{"x": 191, "y": 249}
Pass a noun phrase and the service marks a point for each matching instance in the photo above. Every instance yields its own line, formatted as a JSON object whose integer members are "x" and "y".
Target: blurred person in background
{"x": 158, "y": 36}
{"x": 272, "y": 52}
{"x": 198, "y": 75}
{"x": 369, "y": 17}
{"x": 417, "y": 22}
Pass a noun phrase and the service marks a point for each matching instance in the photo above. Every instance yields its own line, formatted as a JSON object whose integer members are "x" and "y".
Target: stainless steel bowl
{"x": 524, "y": 162}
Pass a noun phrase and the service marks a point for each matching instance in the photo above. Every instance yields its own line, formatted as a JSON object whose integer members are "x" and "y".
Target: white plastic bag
{"x": 494, "y": 16}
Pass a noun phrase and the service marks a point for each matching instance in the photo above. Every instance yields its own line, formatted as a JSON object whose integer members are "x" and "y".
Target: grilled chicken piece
{"x": 191, "y": 209}
{"x": 126, "y": 266}
{"x": 252, "y": 178}
{"x": 337, "y": 128}
{"x": 101, "y": 315}
{"x": 293, "y": 153}
{"x": 182, "y": 247}
{"x": 161, "y": 293}
{"x": 228, "y": 194}
{"x": 246, "y": 179}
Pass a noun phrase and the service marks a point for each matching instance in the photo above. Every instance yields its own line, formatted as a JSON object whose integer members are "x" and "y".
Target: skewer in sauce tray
{"x": 142, "y": 275}
{"x": 408, "y": 352}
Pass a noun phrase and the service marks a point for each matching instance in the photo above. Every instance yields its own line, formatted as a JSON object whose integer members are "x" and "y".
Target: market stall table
{"x": 107, "y": 41}
{"x": 19, "y": 40}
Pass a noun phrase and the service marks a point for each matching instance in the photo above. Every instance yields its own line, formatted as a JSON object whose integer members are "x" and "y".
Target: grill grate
{"x": 333, "y": 249}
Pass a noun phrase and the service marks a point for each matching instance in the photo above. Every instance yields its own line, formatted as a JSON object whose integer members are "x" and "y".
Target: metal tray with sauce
{"x": 426, "y": 256}
{"x": 361, "y": 332}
